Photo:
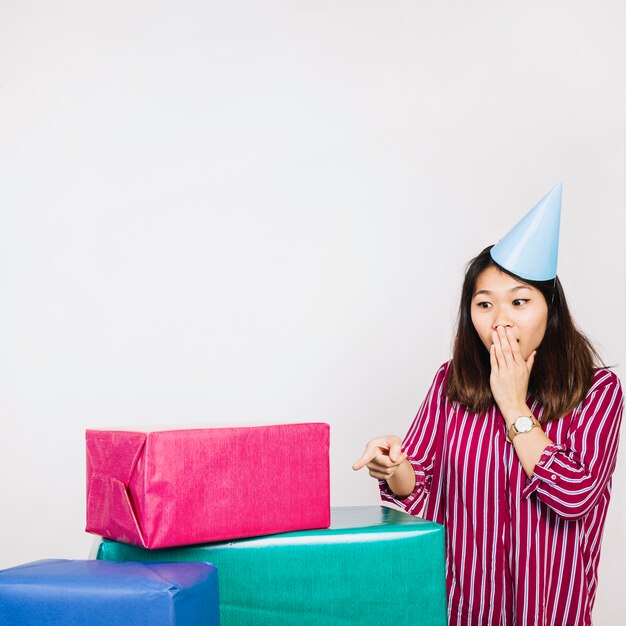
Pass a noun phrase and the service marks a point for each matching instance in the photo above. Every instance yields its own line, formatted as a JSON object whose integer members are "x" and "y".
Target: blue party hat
{"x": 530, "y": 249}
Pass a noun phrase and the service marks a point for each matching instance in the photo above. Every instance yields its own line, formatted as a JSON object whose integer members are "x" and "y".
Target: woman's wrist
{"x": 402, "y": 483}
{"x": 510, "y": 414}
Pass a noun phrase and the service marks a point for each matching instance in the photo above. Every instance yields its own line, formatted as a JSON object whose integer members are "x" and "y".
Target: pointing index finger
{"x": 370, "y": 452}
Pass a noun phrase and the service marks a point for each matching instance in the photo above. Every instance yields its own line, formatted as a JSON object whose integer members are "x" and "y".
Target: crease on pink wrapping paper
{"x": 108, "y": 490}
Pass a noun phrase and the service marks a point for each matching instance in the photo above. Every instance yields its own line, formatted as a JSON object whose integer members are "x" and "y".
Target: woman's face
{"x": 501, "y": 300}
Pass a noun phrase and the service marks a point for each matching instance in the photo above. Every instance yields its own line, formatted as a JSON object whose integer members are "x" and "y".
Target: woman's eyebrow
{"x": 487, "y": 292}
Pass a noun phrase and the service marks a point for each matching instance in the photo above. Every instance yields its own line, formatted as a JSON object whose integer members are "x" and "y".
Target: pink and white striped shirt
{"x": 519, "y": 551}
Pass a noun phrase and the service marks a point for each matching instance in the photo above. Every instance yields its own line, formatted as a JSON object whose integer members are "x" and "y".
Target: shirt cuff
{"x": 542, "y": 472}
{"x": 415, "y": 495}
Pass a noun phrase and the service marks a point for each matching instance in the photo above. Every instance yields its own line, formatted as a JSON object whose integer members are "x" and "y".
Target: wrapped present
{"x": 374, "y": 565}
{"x": 177, "y": 487}
{"x": 102, "y": 593}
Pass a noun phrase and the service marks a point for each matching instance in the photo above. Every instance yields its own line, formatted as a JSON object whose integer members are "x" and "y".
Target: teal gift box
{"x": 373, "y": 565}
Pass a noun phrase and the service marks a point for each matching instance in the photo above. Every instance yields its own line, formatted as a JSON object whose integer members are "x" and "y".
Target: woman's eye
{"x": 484, "y": 305}
{"x": 520, "y": 301}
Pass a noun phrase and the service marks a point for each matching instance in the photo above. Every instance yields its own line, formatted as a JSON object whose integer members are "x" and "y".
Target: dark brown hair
{"x": 564, "y": 364}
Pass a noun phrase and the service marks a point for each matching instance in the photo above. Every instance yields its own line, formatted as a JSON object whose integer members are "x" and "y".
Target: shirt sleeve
{"x": 421, "y": 445}
{"x": 572, "y": 474}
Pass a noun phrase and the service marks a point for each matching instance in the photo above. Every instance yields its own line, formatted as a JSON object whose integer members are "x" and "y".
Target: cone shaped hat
{"x": 530, "y": 249}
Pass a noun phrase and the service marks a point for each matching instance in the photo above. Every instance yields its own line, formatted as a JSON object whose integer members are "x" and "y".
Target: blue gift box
{"x": 94, "y": 593}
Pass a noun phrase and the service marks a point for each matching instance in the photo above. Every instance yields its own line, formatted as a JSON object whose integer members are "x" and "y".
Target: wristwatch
{"x": 522, "y": 424}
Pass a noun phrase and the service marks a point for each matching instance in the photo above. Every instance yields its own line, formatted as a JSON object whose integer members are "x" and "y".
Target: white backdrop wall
{"x": 261, "y": 211}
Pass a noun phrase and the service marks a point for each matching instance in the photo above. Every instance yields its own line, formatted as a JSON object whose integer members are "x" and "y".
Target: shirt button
{"x": 553, "y": 477}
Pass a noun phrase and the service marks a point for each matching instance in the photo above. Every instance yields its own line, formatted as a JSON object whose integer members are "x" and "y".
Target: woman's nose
{"x": 502, "y": 321}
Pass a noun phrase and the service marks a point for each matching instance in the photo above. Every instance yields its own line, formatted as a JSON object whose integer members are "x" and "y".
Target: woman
{"x": 512, "y": 450}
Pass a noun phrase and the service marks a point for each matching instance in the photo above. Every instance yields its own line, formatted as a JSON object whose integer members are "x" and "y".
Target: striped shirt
{"x": 519, "y": 551}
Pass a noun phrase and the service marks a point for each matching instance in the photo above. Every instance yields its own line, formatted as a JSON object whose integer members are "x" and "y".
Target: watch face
{"x": 523, "y": 424}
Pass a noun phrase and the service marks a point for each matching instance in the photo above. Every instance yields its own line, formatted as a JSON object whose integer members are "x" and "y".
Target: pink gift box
{"x": 169, "y": 488}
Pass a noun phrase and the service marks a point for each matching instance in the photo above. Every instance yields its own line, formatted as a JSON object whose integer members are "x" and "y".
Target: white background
{"x": 261, "y": 211}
